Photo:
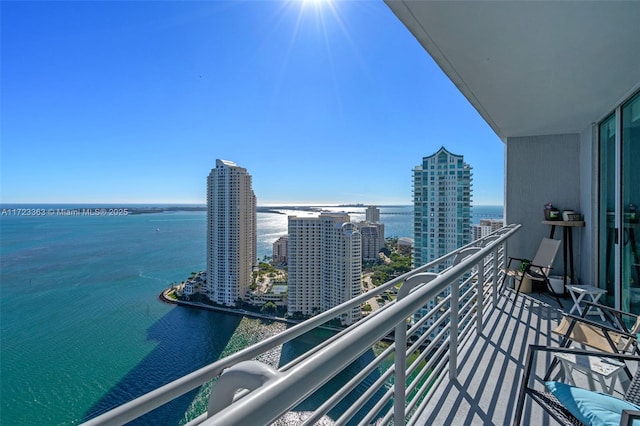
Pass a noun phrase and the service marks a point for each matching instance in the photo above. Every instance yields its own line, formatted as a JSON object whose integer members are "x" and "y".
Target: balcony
{"x": 468, "y": 373}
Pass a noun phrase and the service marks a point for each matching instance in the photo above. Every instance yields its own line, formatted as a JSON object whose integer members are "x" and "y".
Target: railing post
{"x": 400, "y": 337}
{"x": 400, "y": 384}
{"x": 480, "y": 295}
{"x": 495, "y": 276}
{"x": 453, "y": 331}
{"x": 494, "y": 262}
{"x": 454, "y": 309}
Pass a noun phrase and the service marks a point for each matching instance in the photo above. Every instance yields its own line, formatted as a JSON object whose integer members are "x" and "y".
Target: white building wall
{"x": 554, "y": 161}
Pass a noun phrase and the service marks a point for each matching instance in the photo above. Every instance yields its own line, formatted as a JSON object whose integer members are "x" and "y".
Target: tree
{"x": 298, "y": 315}
{"x": 269, "y": 308}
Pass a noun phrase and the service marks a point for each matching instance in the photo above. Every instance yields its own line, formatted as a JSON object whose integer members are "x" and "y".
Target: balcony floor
{"x": 491, "y": 364}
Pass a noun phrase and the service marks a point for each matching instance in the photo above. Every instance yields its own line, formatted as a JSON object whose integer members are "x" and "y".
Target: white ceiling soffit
{"x": 532, "y": 67}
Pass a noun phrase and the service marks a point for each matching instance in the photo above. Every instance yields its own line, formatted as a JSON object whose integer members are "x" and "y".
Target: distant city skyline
{"x": 131, "y": 102}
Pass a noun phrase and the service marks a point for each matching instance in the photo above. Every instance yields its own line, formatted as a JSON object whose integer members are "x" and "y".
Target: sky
{"x": 323, "y": 102}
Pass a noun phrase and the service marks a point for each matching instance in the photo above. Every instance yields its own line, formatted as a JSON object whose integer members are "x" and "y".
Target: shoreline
{"x": 165, "y": 299}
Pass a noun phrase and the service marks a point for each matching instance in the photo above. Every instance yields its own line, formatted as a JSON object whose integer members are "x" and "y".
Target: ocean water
{"x": 82, "y": 330}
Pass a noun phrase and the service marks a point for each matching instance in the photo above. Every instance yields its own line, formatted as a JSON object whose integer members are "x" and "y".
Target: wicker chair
{"x": 553, "y": 406}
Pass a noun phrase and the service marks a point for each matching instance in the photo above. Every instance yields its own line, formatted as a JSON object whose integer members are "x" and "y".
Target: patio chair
{"x": 571, "y": 405}
{"x": 537, "y": 269}
{"x": 613, "y": 337}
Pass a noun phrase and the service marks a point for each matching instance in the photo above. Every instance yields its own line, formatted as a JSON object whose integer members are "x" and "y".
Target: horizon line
{"x": 190, "y": 204}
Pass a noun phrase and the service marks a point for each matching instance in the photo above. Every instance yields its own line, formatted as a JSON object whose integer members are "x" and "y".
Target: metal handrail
{"x": 310, "y": 371}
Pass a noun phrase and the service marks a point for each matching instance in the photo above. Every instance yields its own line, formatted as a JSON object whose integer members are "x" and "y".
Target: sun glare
{"x": 315, "y": 2}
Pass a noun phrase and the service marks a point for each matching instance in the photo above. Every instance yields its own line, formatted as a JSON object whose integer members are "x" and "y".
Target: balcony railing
{"x": 400, "y": 378}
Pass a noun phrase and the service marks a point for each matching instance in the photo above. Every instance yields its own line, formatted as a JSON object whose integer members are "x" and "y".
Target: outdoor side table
{"x": 592, "y": 367}
{"x": 579, "y": 292}
{"x": 567, "y": 243}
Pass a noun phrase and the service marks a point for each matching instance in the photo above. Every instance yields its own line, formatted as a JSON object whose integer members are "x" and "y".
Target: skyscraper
{"x": 442, "y": 214}
{"x": 442, "y": 206}
{"x": 325, "y": 264}
{"x": 231, "y": 233}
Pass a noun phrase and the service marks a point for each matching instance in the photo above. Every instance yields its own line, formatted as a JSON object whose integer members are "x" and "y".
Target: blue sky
{"x": 132, "y": 102}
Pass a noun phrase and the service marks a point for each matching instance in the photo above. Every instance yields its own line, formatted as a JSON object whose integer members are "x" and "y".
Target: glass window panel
{"x": 607, "y": 133}
{"x": 630, "y": 201}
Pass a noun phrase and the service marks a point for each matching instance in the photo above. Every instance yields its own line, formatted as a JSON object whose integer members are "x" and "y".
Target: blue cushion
{"x": 591, "y": 408}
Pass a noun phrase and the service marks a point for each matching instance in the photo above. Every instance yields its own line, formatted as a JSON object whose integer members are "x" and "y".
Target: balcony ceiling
{"x": 532, "y": 67}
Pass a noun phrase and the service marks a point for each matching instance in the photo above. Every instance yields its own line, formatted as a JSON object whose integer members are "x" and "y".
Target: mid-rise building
{"x": 372, "y": 214}
{"x": 485, "y": 227}
{"x": 280, "y": 250}
{"x": 371, "y": 239}
{"x": 324, "y": 263}
{"x": 231, "y": 233}
{"x": 372, "y": 234}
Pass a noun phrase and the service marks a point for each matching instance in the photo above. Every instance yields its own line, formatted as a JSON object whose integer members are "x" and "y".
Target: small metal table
{"x": 579, "y": 292}
{"x": 592, "y": 366}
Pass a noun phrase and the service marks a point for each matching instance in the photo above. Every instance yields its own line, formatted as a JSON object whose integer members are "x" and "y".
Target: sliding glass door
{"x": 619, "y": 138}
{"x": 630, "y": 200}
{"x": 608, "y": 230}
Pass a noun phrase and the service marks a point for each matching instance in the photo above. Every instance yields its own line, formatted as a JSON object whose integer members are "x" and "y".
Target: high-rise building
{"x": 231, "y": 233}
{"x": 324, "y": 263}
{"x": 442, "y": 213}
{"x": 442, "y": 206}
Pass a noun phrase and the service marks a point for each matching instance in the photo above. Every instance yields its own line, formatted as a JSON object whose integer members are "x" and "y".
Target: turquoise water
{"x": 79, "y": 306}
{"x": 82, "y": 330}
